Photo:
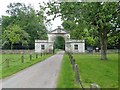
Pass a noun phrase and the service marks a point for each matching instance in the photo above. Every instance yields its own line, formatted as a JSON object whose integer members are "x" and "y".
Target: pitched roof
{"x": 58, "y": 30}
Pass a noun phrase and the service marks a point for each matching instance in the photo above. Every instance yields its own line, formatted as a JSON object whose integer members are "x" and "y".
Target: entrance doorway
{"x": 59, "y": 43}
{"x": 59, "y": 39}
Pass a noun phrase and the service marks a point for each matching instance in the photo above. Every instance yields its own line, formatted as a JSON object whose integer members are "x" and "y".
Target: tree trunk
{"x": 103, "y": 42}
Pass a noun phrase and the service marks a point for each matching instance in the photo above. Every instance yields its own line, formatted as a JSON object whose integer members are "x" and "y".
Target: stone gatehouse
{"x": 46, "y": 46}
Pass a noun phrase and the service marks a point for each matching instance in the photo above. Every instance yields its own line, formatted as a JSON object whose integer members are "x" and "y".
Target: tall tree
{"x": 30, "y": 20}
{"x": 102, "y": 16}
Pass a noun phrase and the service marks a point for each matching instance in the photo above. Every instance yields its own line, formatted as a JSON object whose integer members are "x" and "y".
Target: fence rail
{"x": 8, "y": 60}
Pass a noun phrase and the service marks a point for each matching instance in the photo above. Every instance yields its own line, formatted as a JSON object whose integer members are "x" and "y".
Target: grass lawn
{"x": 15, "y": 63}
{"x": 92, "y": 70}
{"x": 66, "y": 78}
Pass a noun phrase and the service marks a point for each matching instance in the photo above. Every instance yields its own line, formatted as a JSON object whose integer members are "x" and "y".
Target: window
{"x": 76, "y": 47}
{"x": 42, "y": 47}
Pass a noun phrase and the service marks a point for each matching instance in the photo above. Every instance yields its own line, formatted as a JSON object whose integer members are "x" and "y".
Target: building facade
{"x": 47, "y": 46}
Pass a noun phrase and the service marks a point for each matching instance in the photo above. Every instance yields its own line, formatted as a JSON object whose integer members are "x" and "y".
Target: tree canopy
{"x": 99, "y": 18}
{"x": 27, "y": 18}
{"x": 14, "y": 34}
{"x": 96, "y": 22}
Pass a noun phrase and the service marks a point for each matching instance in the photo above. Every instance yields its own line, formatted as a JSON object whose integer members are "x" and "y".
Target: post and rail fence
{"x": 22, "y": 58}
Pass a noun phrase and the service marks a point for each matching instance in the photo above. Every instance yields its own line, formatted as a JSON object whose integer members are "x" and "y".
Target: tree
{"x": 14, "y": 34}
{"x": 102, "y": 16}
{"x": 59, "y": 43}
{"x": 30, "y": 20}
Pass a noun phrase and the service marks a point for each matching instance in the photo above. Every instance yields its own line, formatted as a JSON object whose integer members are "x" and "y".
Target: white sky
{"x": 34, "y": 3}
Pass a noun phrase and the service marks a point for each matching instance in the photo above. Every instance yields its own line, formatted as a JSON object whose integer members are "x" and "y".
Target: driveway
{"x": 41, "y": 75}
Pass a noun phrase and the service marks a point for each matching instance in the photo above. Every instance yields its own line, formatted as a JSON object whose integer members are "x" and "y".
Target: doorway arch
{"x": 74, "y": 46}
{"x": 59, "y": 43}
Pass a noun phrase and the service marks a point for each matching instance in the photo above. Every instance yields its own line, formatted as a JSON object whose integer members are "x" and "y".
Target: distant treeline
{"x": 96, "y": 23}
{"x": 23, "y": 25}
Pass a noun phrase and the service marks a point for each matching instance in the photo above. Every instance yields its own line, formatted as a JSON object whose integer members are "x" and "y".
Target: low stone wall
{"x": 17, "y": 51}
{"x": 33, "y": 51}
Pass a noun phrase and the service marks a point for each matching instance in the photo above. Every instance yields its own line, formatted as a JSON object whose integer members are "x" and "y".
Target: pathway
{"x": 41, "y": 75}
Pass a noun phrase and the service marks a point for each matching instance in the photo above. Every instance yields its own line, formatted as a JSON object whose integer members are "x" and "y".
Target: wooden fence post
{"x": 73, "y": 64}
{"x": 70, "y": 60}
{"x": 7, "y": 63}
{"x": 70, "y": 56}
{"x": 30, "y": 56}
{"x": 77, "y": 74}
{"x": 36, "y": 55}
{"x": 94, "y": 86}
{"x": 22, "y": 59}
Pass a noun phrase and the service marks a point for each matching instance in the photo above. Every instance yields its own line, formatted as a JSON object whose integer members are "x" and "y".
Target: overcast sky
{"x": 34, "y": 3}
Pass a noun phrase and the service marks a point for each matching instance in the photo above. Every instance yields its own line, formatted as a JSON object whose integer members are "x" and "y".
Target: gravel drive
{"x": 41, "y": 75}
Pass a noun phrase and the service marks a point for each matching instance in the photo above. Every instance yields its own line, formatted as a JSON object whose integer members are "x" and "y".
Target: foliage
{"x": 14, "y": 34}
{"x": 102, "y": 17}
{"x": 90, "y": 41}
{"x": 59, "y": 43}
{"x": 28, "y": 19}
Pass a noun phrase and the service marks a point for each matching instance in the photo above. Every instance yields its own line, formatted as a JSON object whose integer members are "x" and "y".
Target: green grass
{"x": 16, "y": 65}
{"x": 92, "y": 70}
{"x": 66, "y": 76}
{"x": 56, "y": 50}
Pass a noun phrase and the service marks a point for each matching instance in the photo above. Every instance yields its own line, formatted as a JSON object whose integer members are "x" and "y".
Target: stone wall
{"x": 17, "y": 51}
